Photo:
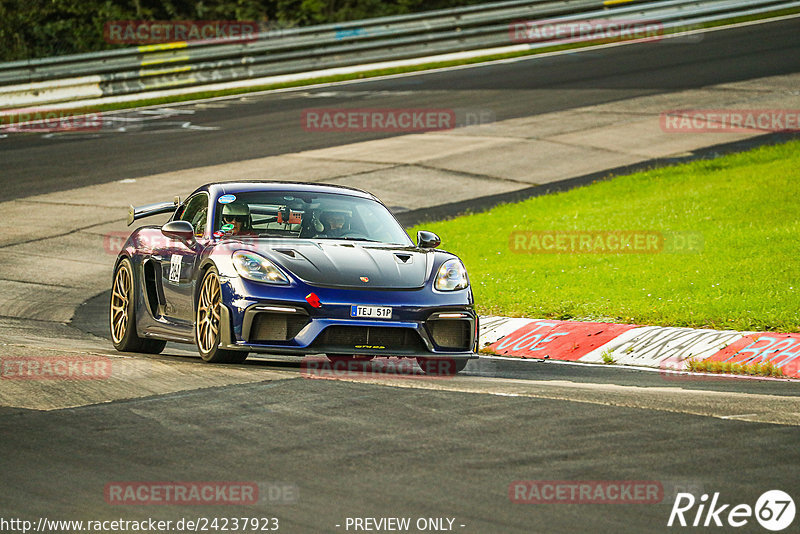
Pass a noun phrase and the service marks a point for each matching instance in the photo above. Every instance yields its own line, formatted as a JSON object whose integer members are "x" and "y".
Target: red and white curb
{"x": 667, "y": 348}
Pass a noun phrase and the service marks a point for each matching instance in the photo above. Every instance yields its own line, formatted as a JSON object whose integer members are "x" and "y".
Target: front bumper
{"x": 278, "y": 319}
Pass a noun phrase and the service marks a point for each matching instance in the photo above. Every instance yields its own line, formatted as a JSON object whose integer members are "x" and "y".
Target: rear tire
{"x": 442, "y": 366}
{"x": 207, "y": 322}
{"x": 122, "y": 314}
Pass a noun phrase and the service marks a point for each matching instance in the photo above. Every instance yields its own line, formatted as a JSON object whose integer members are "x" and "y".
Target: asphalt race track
{"x": 399, "y": 446}
{"x": 358, "y": 450}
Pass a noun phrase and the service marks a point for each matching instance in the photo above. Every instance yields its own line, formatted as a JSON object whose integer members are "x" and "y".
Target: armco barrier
{"x": 480, "y": 30}
{"x": 665, "y": 348}
{"x": 53, "y": 91}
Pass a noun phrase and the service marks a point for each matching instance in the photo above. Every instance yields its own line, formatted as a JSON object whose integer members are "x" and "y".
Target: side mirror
{"x": 182, "y": 230}
{"x": 427, "y": 239}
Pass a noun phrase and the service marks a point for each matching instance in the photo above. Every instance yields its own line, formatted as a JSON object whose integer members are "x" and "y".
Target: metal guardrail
{"x": 173, "y": 65}
{"x": 291, "y": 38}
{"x": 368, "y": 26}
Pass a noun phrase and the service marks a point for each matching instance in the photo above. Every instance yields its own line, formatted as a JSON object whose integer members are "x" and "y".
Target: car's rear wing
{"x": 140, "y": 212}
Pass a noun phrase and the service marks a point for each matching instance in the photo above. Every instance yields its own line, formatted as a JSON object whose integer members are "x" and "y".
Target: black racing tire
{"x": 441, "y": 366}
{"x": 207, "y": 322}
{"x": 122, "y": 314}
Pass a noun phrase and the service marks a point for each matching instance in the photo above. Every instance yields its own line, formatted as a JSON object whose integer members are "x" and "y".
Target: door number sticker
{"x": 175, "y": 268}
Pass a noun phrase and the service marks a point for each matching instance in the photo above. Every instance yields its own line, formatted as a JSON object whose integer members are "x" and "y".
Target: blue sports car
{"x": 290, "y": 268}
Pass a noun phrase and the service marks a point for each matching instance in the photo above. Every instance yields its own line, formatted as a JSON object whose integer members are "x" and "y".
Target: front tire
{"x": 122, "y": 314}
{"x": 207, "y": 322}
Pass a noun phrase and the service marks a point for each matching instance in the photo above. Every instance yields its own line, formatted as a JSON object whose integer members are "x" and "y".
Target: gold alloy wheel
{"x": 120, "y": 296}
{"x": 208, "y": 313}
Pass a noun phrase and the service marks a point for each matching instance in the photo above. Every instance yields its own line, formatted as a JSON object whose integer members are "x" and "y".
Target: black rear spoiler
{"x": 136, "y": 213}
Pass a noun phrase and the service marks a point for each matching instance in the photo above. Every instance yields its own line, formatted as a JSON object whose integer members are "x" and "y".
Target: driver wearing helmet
{"x": 236, "y": 219}
{"x": 334, "y": 222}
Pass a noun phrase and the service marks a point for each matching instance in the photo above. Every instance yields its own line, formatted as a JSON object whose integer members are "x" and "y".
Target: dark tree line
{"x": 41, "y": 28}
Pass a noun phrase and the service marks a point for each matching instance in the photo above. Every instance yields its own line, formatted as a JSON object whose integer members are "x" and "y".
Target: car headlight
{"x": 257, "y": 268}
{"x": 452, "y": 275}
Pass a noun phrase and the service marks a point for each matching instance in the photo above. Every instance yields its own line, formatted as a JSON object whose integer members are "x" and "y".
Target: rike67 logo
{"x": 774, "y": 510}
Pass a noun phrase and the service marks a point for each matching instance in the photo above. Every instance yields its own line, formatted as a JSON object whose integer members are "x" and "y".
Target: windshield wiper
{"x": 349, "y": 239}
{"x": 282, "y": 236}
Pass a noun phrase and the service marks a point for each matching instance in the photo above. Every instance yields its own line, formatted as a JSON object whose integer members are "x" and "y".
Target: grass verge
{"x": 754, "y": 369}
{"x": 743, "y": 276}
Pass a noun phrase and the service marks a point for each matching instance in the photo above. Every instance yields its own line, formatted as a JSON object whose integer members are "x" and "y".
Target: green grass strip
{"x": 744, "y": 276}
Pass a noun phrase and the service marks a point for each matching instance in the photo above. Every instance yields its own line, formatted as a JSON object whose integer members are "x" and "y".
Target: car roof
{"x": 242, "y": 186}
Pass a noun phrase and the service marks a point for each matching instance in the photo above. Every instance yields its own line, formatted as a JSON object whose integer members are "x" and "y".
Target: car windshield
{"x": 306, "y": 216}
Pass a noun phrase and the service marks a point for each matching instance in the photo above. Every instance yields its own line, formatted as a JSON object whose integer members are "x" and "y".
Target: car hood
{"x": 350, "y": 264}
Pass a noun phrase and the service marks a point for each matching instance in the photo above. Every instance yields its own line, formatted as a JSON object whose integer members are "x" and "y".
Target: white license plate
{"x": 373, "y": 312}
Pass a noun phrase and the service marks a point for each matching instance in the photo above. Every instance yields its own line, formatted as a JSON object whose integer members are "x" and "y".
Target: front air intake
{"x": 451, "y": 334}
{"x": 272, "y": 327}
{"x": 386, "y": 339}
